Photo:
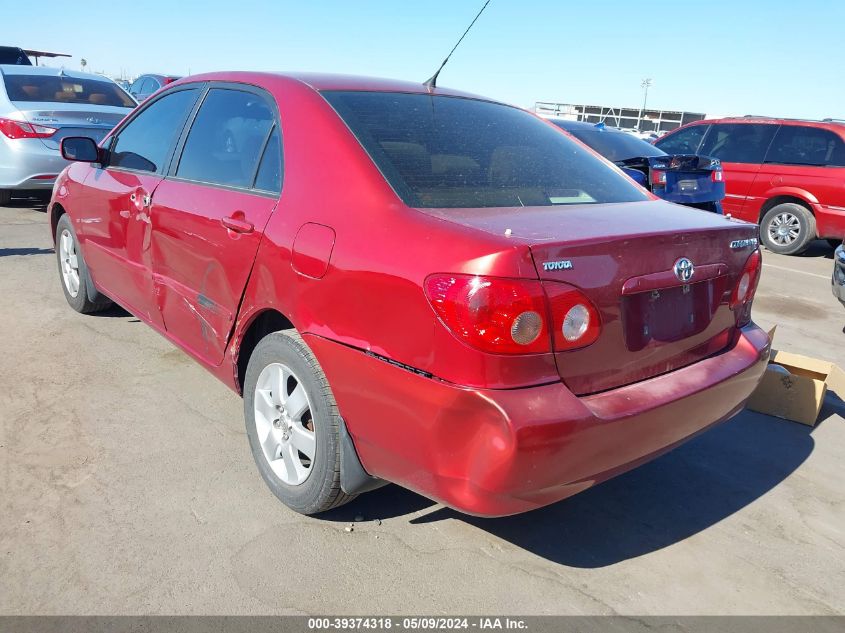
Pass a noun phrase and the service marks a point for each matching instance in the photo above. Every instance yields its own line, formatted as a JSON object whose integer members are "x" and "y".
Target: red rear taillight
{"x": 747, "y": 286}
{"x": 576, "y": 319}
{"x": 513, "y": 316}
{"x": 21, "y": 129}
{"x": 501, "y": 316}
{"x": 658, "y": 177}
{"x": 717, "y": 175}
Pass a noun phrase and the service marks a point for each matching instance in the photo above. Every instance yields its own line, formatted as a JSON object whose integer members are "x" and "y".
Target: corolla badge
{"x": 738, "y": 244}
{"x": 683, "y": 269}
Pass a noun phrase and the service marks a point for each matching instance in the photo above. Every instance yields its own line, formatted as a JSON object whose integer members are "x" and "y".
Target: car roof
{"x": 15, "y": 69}
{"x": 569, "y": 124}
{"x": 159, "y": 76}
{"x": 325, "y": 82}
{"x": 770, "y": 121}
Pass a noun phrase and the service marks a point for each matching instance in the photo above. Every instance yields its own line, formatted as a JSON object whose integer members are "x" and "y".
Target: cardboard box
{"x": 798, "y": 395}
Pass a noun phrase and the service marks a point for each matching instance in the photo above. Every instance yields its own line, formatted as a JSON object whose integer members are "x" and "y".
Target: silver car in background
{"x": 39, "y": 107}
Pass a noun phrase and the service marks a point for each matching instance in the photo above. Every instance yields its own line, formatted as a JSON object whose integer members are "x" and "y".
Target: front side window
{"x": 686, "y": 141}
{"x": 801, "y": 145}
{"x": 738, "y": 142}
{"x": 55, "y": 89}
{"x": 226, "y": 138}
{"x": 451, "y": 152}
{"x": 145, "y": 142}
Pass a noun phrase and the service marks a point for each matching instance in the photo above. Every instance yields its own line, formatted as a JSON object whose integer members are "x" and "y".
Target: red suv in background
{"x": 786, "y": 175}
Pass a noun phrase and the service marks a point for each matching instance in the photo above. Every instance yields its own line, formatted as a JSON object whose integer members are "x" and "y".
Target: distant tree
{"x": 83, "y": 63}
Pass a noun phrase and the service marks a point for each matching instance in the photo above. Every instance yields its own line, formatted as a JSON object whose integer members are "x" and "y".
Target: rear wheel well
{"x": 265, "y": 323}
{"x": 773, "y": 202}
{"x": 55, "y": 213}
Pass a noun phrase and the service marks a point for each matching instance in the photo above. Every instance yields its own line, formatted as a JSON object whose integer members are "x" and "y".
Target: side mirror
{"x": 80, "y": 148}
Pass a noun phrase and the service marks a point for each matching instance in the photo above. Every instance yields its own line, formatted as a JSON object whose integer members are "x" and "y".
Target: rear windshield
{"x": 616, "y": 145}
{"x": 46, "y": 88}
{"x": 438, "y": 151}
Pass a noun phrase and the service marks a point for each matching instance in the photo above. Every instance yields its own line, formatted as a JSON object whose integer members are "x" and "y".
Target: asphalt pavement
{"x": 128, "y": 488}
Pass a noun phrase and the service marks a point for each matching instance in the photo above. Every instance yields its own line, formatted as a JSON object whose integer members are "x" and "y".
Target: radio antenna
{"x": 432, "y": 81}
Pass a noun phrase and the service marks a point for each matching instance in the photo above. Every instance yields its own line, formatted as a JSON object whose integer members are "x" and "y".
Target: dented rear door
{"x": 201, "y": 265}
{"x": 209, "y": 215}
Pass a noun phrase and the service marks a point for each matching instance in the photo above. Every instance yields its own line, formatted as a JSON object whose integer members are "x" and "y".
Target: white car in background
{"x": 40, "y": 106}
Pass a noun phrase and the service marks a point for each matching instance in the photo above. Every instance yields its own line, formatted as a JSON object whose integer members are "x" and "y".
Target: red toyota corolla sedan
{"x": 412, "y": 285}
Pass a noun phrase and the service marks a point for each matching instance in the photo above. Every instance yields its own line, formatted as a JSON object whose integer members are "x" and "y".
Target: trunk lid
{"x": 72, "y": 119}
{"x": 687, "y": 179}
{"x": 622, "y": 257}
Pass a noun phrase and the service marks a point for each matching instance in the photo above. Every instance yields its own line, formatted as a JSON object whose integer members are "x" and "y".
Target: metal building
{"x": 649, "y": 120}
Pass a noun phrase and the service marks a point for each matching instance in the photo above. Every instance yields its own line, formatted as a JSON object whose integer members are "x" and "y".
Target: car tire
{"x": 5, "y": 197}
{"x": 788, "y": 228}
{"x": 75, "y": 279}
{"x": 290, "y": 411}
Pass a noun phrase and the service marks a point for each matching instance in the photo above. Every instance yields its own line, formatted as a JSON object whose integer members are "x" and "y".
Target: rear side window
{"x": 685, "y": 141}
{"x": 438, "y": 151}
{"x": 226, "y": 138}
{"x": 801, "y": 145}
{"x": 269, "y": 177}
{"x": 738, "y": 142}
{"x": 145, "y": 142}
{"x": 51, "y": 89}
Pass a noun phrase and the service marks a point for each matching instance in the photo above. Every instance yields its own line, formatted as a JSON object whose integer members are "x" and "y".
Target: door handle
{"x": 237, "y": 224}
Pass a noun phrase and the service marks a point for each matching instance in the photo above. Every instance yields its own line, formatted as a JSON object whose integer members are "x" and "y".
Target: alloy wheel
{"x": 784, "y": 229}
{"x": 284, "y": 423}
{"x": 70, "y": 263}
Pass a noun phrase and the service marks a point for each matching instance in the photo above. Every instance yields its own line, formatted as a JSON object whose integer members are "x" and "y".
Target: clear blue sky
{"x": 778, "y": 57}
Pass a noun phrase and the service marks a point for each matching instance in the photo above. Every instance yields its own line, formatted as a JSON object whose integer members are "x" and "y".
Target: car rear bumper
{"x": 500, "y": 452}
{"x": 28, "y": 164}
{"x": 830, "y": 221}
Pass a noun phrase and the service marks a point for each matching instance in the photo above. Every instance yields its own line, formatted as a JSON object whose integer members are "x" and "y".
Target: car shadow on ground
{"x": 115, "y": 311}
{"x": 36, "y": 203}
{"x": 652, "y": 507}
{"x": 9, "y": 252}
{"x": 818, "y": 249}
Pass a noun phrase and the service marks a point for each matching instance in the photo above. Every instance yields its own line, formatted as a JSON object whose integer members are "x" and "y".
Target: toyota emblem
{"x": 684, "y": 269}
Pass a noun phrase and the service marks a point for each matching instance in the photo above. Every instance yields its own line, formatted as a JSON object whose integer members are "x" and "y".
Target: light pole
{"x": 645, "y": 85}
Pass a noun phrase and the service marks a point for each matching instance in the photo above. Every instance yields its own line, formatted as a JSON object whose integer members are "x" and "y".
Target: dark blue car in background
{"x": 690, "y": 179}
